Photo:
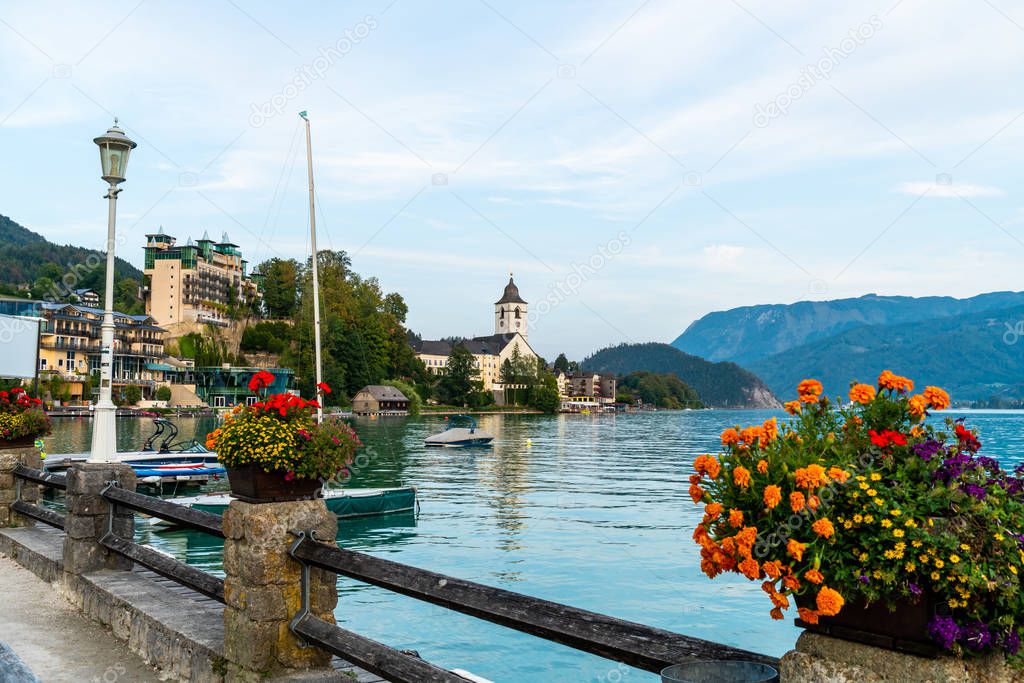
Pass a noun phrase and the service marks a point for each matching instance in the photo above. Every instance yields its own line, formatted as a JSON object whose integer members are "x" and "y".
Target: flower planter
{"x": 17, "y": 444}
{"x": 253, "y": 485}
{"x": 902, "y": 630}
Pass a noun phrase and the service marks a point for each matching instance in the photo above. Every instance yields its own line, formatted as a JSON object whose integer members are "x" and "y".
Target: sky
{"x": 635, "y": 164}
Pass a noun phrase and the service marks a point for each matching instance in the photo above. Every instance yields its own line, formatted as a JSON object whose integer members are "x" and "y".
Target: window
{"x": 517, "y": 315}
{"x": 219, "y": 402}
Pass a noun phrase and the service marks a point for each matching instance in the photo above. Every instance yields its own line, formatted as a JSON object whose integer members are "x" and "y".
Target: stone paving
{"x": 55, "y": 641}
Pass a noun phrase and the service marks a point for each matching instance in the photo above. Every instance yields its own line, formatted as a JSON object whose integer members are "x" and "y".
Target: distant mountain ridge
{"x": 719, "y": 385}
{"x": 27, "y": 257}
{"x": 965, "y": 345}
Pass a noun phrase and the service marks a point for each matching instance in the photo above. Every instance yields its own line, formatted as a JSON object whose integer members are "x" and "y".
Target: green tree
{"x": 544, "y": 394}
{"x": 129, "y": 396}
{"x": 163, "y": 393}
{"x": 280, "y": 286}
{"x": 415, "y": 400}
{"x": 561, "y": 363}
{"x": 457, "y": 384}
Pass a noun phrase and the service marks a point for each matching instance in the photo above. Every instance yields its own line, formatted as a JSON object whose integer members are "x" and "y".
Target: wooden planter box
{"x": 252, "y": 485}
{"x": 25, "y": 442}
{"x": 902, "y": 630}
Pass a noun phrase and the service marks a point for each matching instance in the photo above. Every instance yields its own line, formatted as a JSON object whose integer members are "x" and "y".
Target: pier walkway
{"x": 54, "y": 640}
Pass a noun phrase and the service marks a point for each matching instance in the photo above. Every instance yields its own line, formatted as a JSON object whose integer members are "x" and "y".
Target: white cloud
{"x": 948, "y": 189}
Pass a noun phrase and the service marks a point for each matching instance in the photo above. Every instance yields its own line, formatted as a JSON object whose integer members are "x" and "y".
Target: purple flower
{"x": 990, "y": 464}
{"x": 974, "y": 490}
{"x": 976, "y": 635}
{"x": 944, "y": 631}
{"x": 864, "y": 578}
{"x": 1010, "y": 641}
{"x": 915, "y": 589}
{"x": 926, "y": 450}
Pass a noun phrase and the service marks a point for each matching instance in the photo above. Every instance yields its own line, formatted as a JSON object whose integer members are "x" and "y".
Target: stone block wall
{"x": 10, "y": 458}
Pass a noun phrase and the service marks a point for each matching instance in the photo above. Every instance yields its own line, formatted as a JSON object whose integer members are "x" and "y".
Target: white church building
{"x": 511, "y": 332}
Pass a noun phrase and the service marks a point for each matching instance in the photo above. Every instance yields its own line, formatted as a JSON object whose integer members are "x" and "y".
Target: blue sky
{"x": 636, "y": 164}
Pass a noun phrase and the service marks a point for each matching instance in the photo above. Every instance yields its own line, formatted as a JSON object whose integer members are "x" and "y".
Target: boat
{"x": 344, "y": 503}
{"x": 461, "y": 432}
{"x": 166, "y": 462}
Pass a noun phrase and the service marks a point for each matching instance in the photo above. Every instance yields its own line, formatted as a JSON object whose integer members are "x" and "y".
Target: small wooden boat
{"x": 345, "y": 503}
{"x": 461, "y": 432}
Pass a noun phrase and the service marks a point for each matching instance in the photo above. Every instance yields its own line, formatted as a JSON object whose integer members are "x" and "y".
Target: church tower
{"x": 510, "y": 312}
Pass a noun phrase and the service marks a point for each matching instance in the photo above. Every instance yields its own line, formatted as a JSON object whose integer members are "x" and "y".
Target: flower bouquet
{"x": 275, "y": 450}
{"x": 22, "y": 418}
{"x": 862, "y": 505}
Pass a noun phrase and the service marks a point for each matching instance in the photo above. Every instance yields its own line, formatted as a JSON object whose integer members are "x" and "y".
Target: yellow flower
{"x": 864, "y": 557}
{"x": 886, "y": 523}
{"x": 964, "y": 546}
{"x": 858, "y": 518}
{"x": 954, "y": 558}
{"x": 916, "y": 544}
{"x": 879, "y": 501}
{"x": 939, "y": 564}
{"x": 872, "y": 492}
{"x": 864, "y": 486}
{"x": 910, "y": 566}
{"x": 868, "y": 519}
{"x": 898, "y": 533}
{"x": 875, "y": 476}
{"x": 861, "y": 477}
{"x": 895, "y": 513}
{"x": 1013, "y": 569}
{"x": 935, "y": 576}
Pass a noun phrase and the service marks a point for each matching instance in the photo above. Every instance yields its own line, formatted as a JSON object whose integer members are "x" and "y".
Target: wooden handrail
{"x": 41, "y": 477}
{"x": 200, "y": 520}
{"x": 635, "y": 644}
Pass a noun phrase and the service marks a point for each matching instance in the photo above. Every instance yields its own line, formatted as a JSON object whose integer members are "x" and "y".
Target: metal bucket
{"x": 726, "y": 671}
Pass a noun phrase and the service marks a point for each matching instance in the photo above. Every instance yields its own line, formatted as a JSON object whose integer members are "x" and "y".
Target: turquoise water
{"x": 593, "y": 513}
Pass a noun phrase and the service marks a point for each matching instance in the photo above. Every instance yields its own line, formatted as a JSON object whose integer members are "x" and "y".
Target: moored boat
{"x": 345, "y": 503}
{"x": 462, "y": 431}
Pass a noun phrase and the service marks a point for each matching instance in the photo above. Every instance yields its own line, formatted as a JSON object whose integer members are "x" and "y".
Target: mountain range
{"x": 969, "y": 346}
{"x": 719, "y": 385}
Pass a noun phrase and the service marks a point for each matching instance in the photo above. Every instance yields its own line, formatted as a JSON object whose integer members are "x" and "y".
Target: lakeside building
{"x": 194, "y": 282}
{"x": 227, "y": 385}
{"x": 379, "y": 399}
{"x": 511, "y": 333}
{"x": 70, "y": 345}
{"x": 585, "y": 390}
{"x": 87, "y": 297}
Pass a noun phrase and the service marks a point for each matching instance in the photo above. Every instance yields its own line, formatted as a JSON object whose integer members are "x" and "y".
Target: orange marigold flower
{"x": 745, "y": 540}
{"x": 696, "y": 492}
{"x": 814, "y": 576}
{"x": 797, "y": 501}
{"x": 770, "y": 429}
{"x": 707, "y": 464}
{"x": 773, "y": 569}
{"x": 762, "y": 466}
{"x": 838, "y": 474}
{"x": 772, "y": 496}
{"x": 862, "y": 393}
{"x": 823, "y": 527}
{"x": 730, "y": 437}
{"x": 779, "y": 599}
{"x": 917, "y": 405}
{"x": 936, "y": 397}
{"x": 749, "y": 435}
{"x": 811, "y": 476}
{"x": 736, "y": 518}
{"x": 793, "y": 407}
{"x": 750, "y": 568}
{"x": 813, "y": 501}
{"x": 893, "y": 382}
{"x": 829, "y": 602}
{"x": 741, "y": 476}
{"x": 796, "y": 549}
{"x": 694, "y": 478}
{"x": 809, "y": 387}
{"x": 776, "y": 614}
{"x": 791, "y": 582}
{"x": 808, "y": 615}
{"x": 713, "y": 510}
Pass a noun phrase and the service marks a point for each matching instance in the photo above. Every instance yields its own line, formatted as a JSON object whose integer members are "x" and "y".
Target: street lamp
{"x": 114, "y": 150}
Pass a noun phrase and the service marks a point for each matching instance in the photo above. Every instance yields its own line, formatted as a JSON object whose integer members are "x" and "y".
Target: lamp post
{"x": 114, "y": 149}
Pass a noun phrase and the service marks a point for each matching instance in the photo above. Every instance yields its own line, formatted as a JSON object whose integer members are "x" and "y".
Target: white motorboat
{"x": 462, "y": 431}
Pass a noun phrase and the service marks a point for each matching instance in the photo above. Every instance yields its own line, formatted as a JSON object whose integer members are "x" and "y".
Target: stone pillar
{"x": 10, "y": 458}
{"x": 819, "y": 658}
{"x": 262, "y": 586}
{"x": 86, "y": 520}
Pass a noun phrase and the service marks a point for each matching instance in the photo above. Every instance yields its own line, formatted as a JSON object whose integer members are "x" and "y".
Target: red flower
{"x": 323, "y": 387}
{"x": 17, "y": 390}
{"x": 887, "y": 437}
{"x": 967, "y": 438}
{"x": 261, "y": 380}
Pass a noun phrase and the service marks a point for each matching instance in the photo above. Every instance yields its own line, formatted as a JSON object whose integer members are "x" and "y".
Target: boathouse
{"x": 378, "y": 399}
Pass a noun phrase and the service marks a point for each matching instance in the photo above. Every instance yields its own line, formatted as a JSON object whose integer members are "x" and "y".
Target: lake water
{"x": 591, "y": 511}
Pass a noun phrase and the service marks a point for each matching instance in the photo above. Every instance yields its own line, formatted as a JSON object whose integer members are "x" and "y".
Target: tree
{"x": 280, "y": 286}
{"x": 544, "y": 394}
{"x": 457, "y": 385}
{"x": 130, "y": 395}
{"x": 561, "y": 363}
{"x": 163, "y": 393}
